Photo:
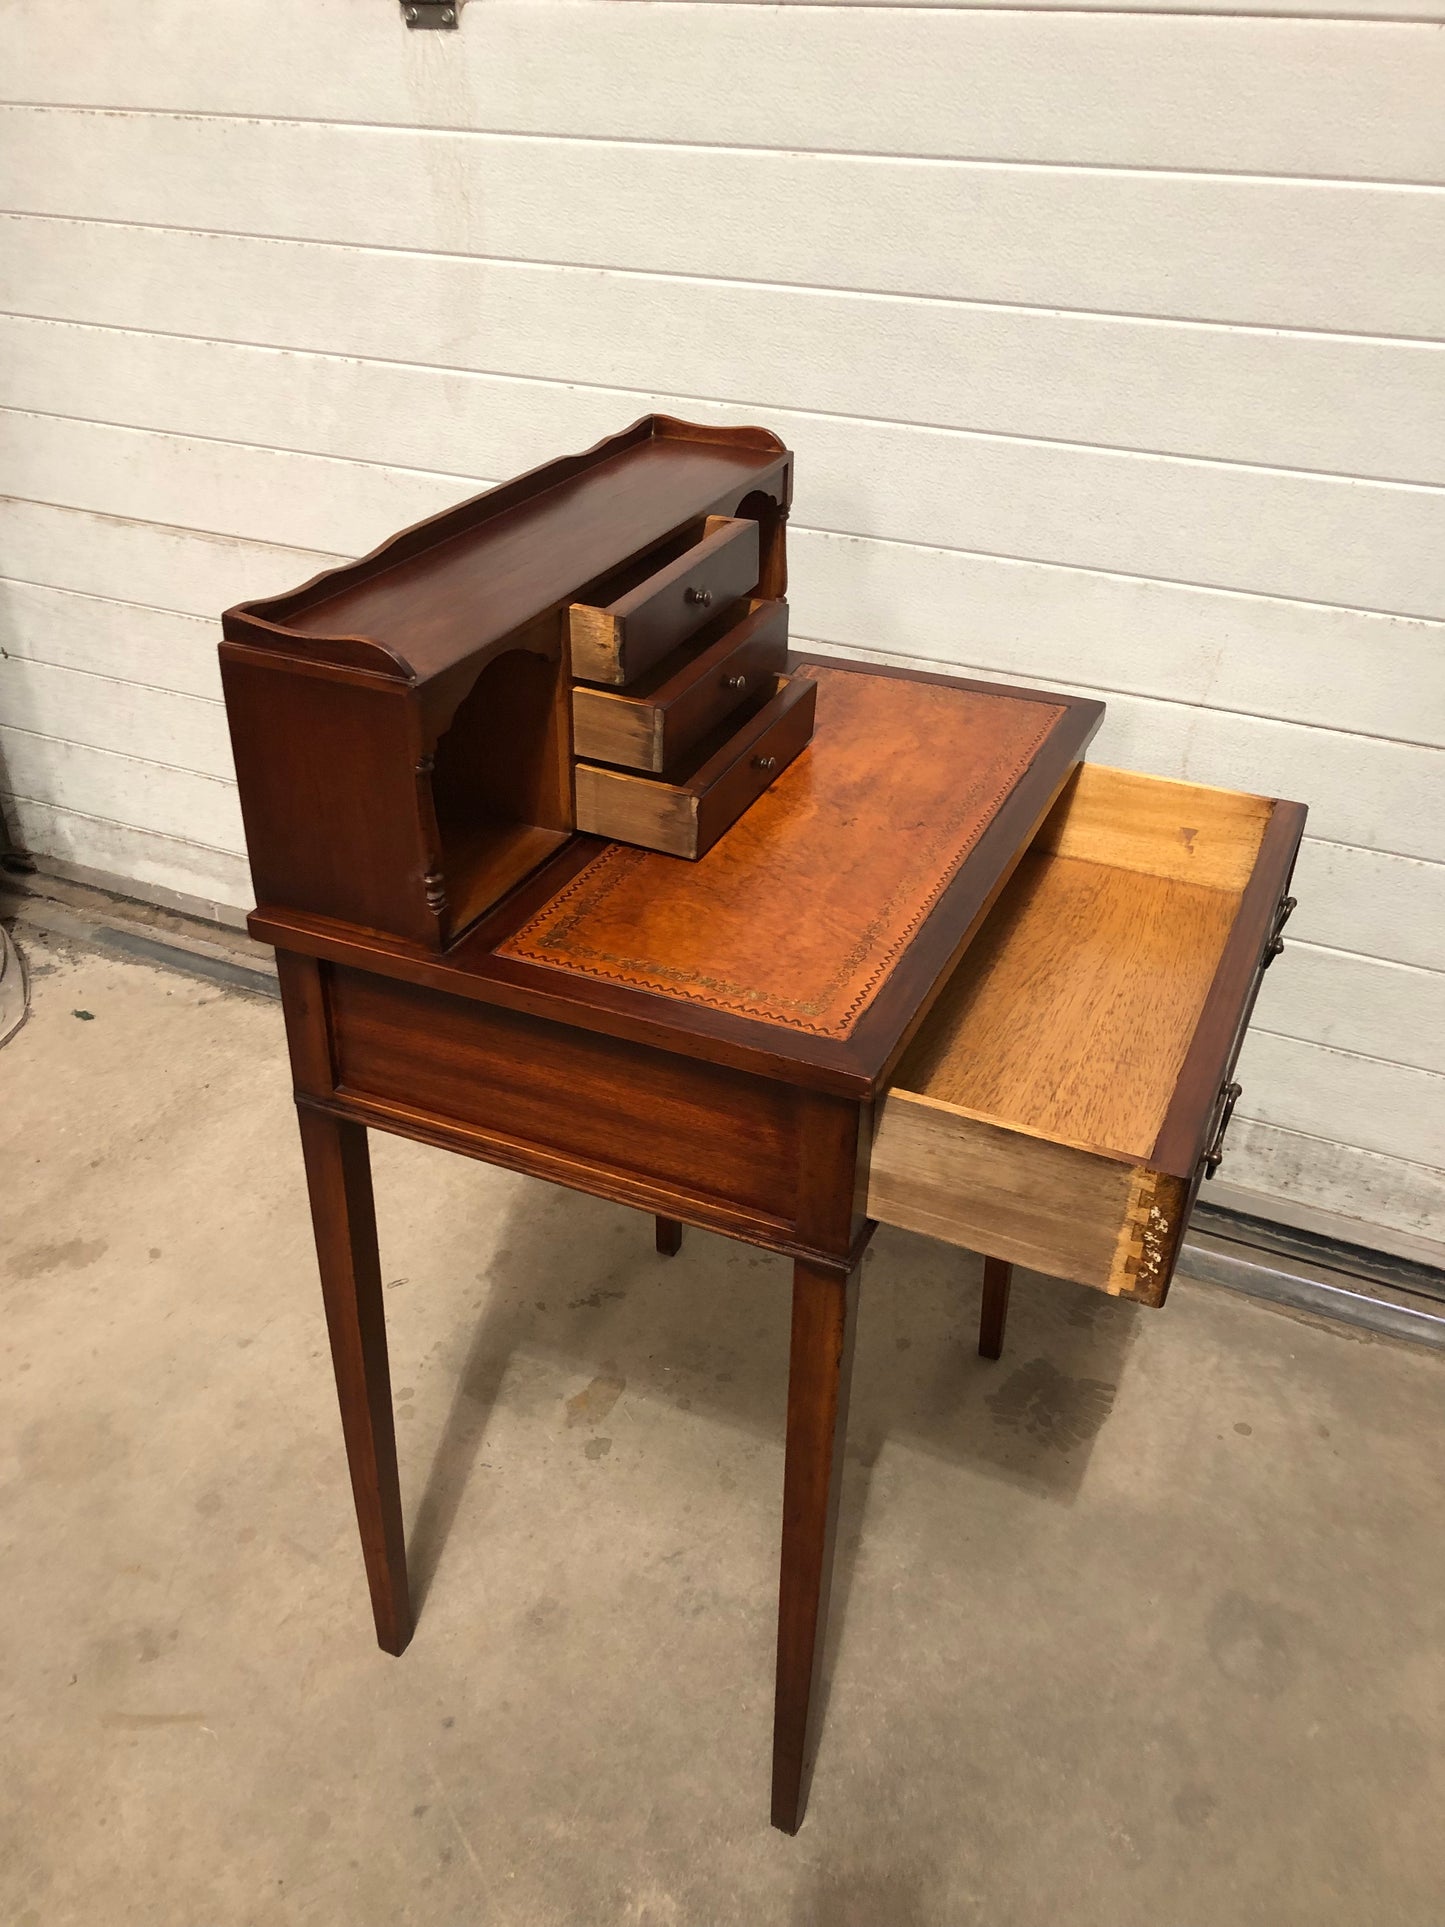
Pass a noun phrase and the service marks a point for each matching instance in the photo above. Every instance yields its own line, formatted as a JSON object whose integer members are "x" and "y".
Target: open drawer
{"x": 653, "y": 724}
{"x": 647, "y": 608}
{"x": 1069, "y": 1088}
{"x": 686, "y": 815}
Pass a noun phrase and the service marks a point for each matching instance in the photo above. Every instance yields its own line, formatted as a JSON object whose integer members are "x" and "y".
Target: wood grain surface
{"x": 1180, "y": 830}
{"x": 910, "y": 959}
{"x": 606, "y": 1105}
{"x": 998, "y": 1189}
{"x": 655, "y": 722}
{"x": 1073, "y": 1011}
{"x": 636, "y": 627}
{"x": 733, "y": 767}
{"x": 435, "y": 597}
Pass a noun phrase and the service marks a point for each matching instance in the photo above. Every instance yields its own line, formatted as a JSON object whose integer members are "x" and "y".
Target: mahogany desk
{"x": 923, "y": 968}
{"x": 719, "y": 1045}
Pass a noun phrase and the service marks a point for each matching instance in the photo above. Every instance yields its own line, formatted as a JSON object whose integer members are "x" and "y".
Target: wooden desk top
{"x": 813, "y": 938}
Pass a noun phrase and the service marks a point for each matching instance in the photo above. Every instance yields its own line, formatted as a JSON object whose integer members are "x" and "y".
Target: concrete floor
{"x": 1141, "y": 1625}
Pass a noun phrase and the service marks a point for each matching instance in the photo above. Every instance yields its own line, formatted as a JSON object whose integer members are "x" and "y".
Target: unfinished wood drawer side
{"x": 1073, "y": 1010}
{"x": 1067, "y": 1212}
{"x": 685, "y": 818}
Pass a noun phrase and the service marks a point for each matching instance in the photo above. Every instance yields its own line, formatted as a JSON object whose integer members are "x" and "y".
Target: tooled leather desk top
{"x": 798, "y": 914}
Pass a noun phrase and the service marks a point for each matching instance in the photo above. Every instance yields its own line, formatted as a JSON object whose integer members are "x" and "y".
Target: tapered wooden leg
{"x": 825, "y": 1305}
{"x": 997, "y": 1277}
{"x": 338, "y": 1176}
{"x": 669, "y": 1237}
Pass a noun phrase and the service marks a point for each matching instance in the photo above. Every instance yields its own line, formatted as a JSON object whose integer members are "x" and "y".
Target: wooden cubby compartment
{"x": 500, "y": 781}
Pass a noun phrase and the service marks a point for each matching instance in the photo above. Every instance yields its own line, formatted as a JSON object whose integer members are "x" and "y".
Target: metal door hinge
{"x": 439, "y": 15}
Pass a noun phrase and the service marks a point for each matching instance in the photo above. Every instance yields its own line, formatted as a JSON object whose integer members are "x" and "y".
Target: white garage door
{"x": 1104, "y": 340}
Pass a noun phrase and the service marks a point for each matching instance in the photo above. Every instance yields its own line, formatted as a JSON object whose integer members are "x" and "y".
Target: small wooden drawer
{"x": 1067, "y": 1091}
{"x": 686, "y": 815}
{"x": 647, "y": 615}
{"x": 658, "y": 720}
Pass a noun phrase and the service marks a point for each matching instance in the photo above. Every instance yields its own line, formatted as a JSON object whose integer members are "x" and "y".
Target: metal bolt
{"x": 449, "y": 18}
{"x": 411, "y": 16}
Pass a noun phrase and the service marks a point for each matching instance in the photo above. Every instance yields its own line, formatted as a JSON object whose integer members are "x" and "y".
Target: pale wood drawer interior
{"x": 1052, "y": 1108}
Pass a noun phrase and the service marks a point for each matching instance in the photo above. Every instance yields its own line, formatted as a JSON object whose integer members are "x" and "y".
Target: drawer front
{"x": 686, "y": 818}
{"x": 1072, "y": 1085}
{"x": 543, "y": 1096}
{"x": 654, "y": 725}
{"x": 620, "y": 641}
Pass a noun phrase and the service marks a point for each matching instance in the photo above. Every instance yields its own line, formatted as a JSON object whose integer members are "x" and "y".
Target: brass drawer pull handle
{"x": 1276, "y": 936}
{"x": 1215, "y": 1156}
{"x": 702, "y": 597}
{"x": 765, "y": 762}
{"x": 735, "y": 682}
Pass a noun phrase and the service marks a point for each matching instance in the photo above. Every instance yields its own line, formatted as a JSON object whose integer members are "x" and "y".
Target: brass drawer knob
{"x": 735, "y": 682}
{"x": 702, "y": 597}
{"x": 765, "y": 762}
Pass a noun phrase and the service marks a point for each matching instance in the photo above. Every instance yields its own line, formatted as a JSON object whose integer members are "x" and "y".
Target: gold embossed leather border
{"x": 798, "y": 914}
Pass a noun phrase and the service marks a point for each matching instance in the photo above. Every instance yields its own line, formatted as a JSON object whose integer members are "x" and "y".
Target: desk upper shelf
{"x": 441, "y": 596}
{"x": 402, "y": 725}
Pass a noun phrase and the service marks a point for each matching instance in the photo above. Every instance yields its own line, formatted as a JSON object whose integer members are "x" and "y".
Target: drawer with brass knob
{"x": 654, "y": 723}
{"x": 686, "y": 812}
{"x": 643, "y": 611}
{"x": 1074, "y": 1082}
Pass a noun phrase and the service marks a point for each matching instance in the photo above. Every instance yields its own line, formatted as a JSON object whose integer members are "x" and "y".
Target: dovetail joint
{"x": 1145, "y": 1251}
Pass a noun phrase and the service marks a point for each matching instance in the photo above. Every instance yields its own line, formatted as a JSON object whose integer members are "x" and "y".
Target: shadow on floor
{"x": 576, "y": 1279}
